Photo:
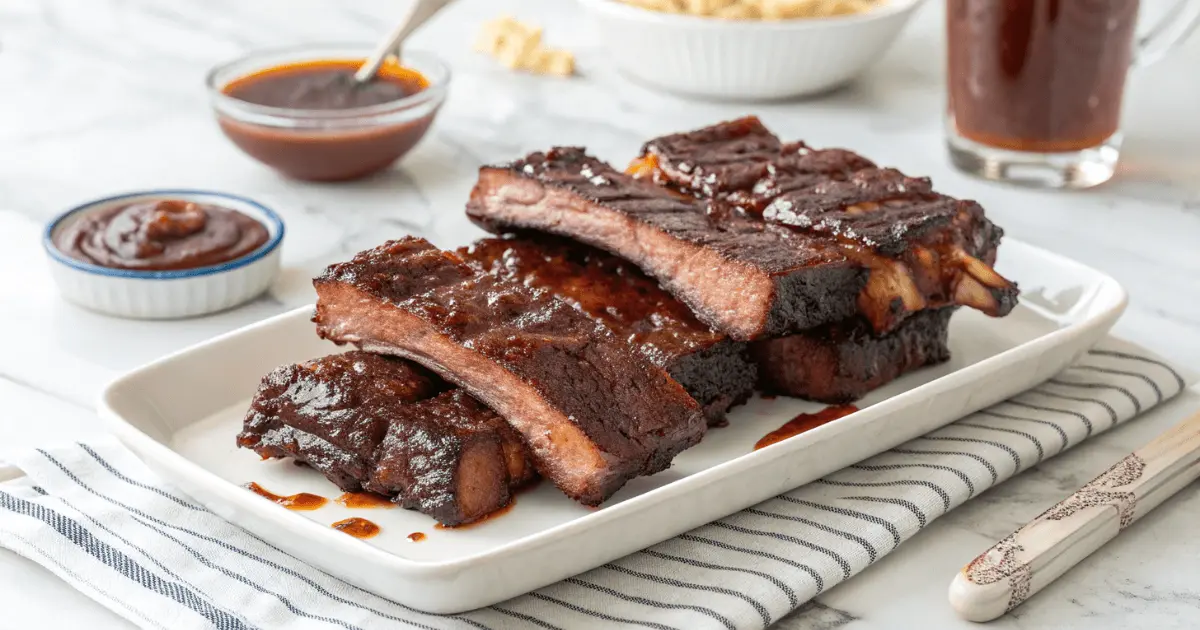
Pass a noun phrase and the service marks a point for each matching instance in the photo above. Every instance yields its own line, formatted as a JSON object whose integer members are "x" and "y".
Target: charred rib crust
{"x": 718, "y": 377}
{"x": 593, "y": 412}
{"x": 824, "y": 294}
{"x": 735, "y": 156}
{"x": 742, "y": 162}
{"x": 445, "y": 457}
{"x": 843, "y": 362}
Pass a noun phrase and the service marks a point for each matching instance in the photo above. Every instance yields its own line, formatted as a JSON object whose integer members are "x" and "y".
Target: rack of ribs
{"x": 714, "y": 369}
{"x": 923, "y": 249}
{"x": 386, "y": 425}
{"x": 837, "y": 237}
{"x": 593, "y": 411}
{"x": 836, "y": 364}
{"x": 740, "y": 275}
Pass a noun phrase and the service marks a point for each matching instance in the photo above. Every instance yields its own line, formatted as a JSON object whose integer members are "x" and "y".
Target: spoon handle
{"x": 1034, "y": 556}
{"x": 419, "y": 11}
{"x": 8, "y": 472}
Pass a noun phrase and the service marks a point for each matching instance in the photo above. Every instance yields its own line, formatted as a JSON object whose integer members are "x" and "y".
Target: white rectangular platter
{"x": 180, "y": 414}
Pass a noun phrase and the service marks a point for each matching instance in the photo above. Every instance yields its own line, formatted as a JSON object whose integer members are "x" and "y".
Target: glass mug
{"x": 1034, "y": 87}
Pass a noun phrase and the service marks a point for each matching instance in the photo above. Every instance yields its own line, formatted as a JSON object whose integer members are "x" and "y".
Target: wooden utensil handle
{"x": 9, "y": 472}
{"x": 1030, "y": 558}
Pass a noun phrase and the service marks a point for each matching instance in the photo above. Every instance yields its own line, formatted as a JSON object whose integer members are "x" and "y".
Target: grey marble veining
{"x": 102, "y": 96}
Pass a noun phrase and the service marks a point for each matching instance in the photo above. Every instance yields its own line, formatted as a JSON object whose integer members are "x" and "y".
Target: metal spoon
{"x": 419, "y": 11}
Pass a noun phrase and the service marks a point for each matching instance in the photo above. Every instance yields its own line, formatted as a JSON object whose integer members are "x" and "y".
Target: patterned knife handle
{"x": 1035, "y": 555}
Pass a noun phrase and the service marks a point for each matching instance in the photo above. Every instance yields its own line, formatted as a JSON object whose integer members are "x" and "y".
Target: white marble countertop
{"x": 105, "y": 96}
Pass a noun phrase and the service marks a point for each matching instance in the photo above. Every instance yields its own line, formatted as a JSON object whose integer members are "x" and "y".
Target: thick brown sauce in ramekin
{"x": 161, "y": 235}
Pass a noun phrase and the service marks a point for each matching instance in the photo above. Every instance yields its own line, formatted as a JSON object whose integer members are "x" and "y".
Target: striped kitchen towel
{"x": 96, "y": 517}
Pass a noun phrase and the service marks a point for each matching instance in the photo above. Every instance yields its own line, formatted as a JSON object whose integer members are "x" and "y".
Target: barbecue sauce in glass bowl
{"x": 300, "y": 111}
{"x": 325, "y": 85}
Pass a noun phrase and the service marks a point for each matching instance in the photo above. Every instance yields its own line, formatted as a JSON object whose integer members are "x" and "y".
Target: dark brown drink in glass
{"x": 1043, "y": 78}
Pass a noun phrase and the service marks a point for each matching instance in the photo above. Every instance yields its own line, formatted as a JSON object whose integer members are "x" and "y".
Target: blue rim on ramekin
{"x": 172, "y": 274}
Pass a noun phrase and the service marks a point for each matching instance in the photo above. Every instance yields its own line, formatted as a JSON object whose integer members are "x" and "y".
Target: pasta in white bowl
{"x": 702, "y": 53}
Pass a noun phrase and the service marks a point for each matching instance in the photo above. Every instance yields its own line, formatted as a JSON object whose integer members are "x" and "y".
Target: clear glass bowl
{"x": 326, "y": 145}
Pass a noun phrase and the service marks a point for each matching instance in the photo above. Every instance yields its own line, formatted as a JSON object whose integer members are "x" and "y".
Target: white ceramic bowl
{"x": 166, "y": 294}
{"x": 745, "y": 59}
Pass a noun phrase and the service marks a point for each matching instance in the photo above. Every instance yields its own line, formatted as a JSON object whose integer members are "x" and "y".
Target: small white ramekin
{"x": 745, "y": 59}
{"x": 166, "y": 294}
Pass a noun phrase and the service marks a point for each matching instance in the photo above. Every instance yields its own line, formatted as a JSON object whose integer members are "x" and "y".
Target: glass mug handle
{"x": 1170, "y": 30}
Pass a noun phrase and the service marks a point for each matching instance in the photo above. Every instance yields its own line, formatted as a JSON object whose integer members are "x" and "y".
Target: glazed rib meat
{"x": 450, "y": 457}
{"x": 714, "y": 369}
{"x": 761, "y": 238}
{"x": 387, "y": 425}
{"x": 741, "y": 276}
{"x": 842, "y": 362}
{"x": 836, "y": 363}
{"x": 923, "y": 249}
{"x": 740, "y": 161}
{"x": 594, "y": 412}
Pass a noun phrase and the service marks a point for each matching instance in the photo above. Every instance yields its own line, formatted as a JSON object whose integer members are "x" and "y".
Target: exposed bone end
{"x": 889, "y": 281}
{"x": 982, "y": 272}
{"x": 924, "y": 257}
{"x": 981, "y": 288}
{"x": 969, "y": 292}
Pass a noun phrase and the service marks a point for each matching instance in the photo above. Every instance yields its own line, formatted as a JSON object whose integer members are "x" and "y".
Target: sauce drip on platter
{"x": 364, "y": 500}
{"x": 302, "y": 501}
{"x": 805, "y": 422}
{"x": 357, "y": 527}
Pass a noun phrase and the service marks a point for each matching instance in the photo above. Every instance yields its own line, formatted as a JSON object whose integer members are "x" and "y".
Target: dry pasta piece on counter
{"x": 519, "y": 46}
